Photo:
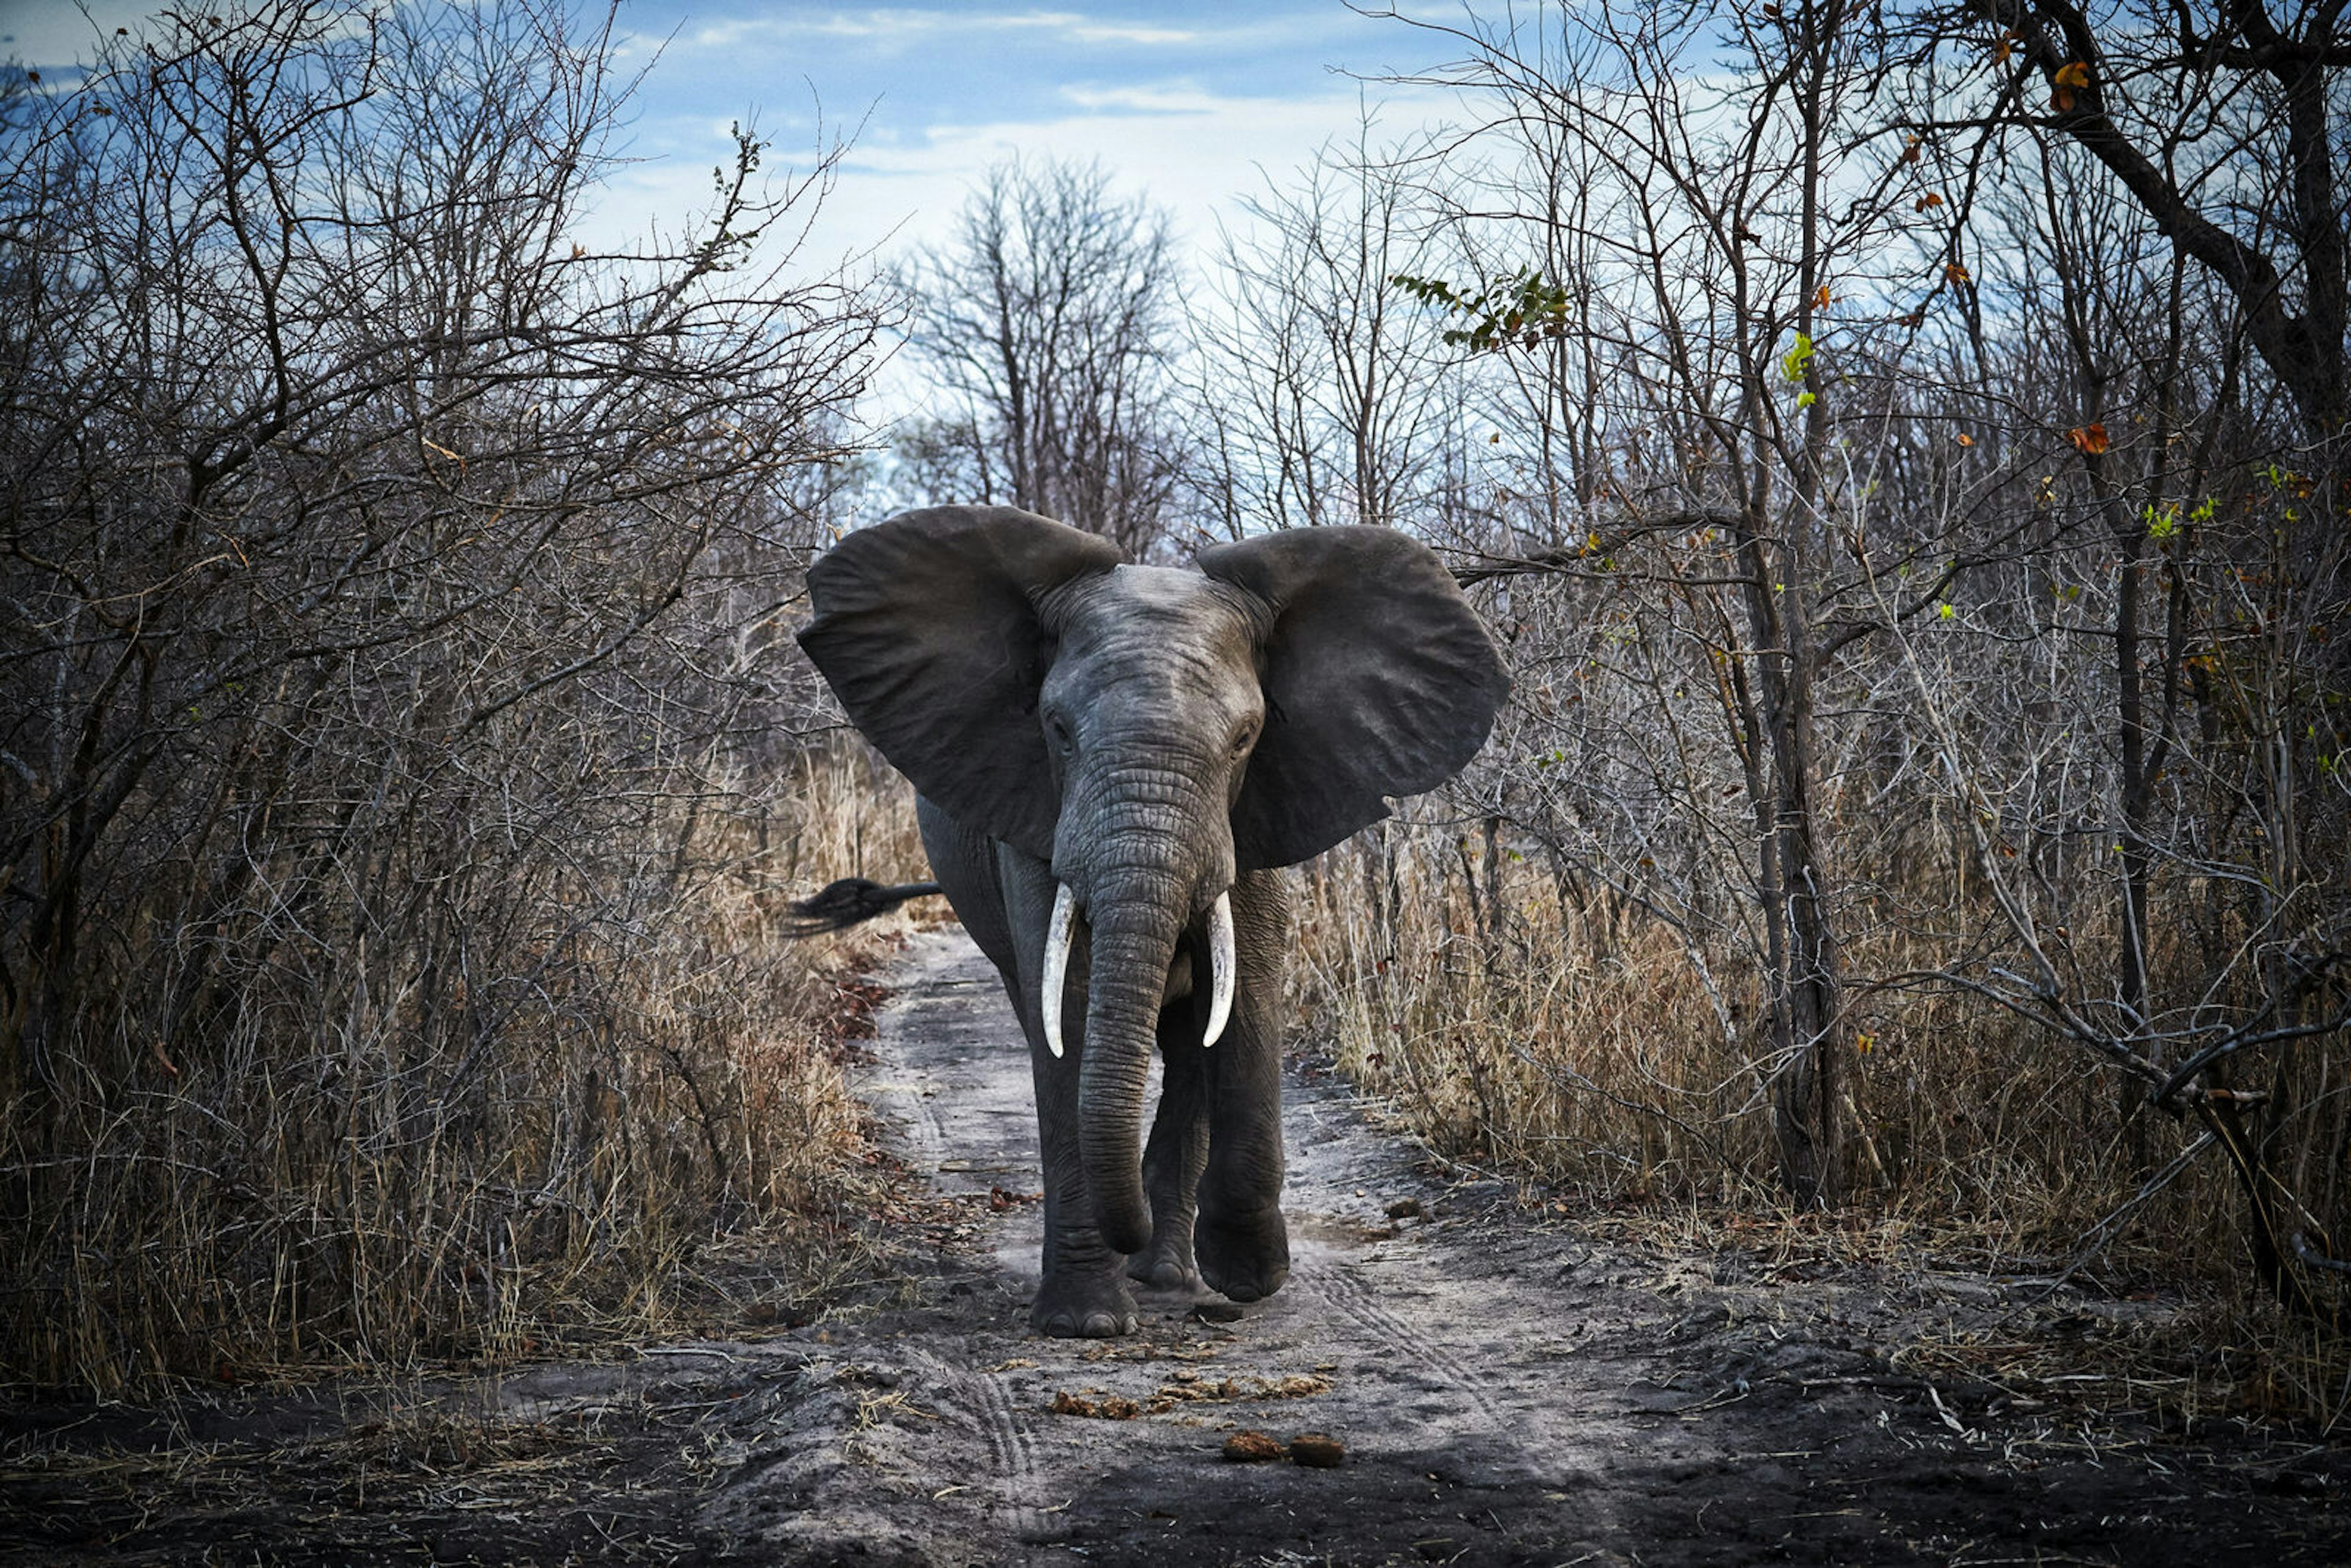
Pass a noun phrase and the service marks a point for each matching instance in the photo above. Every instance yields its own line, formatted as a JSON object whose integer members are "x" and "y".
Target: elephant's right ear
{"x": 927, "y": 628}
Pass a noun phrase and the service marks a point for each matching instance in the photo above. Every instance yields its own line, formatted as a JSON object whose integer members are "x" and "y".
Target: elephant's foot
{"x": 1090, "y": 1307}
{"x": 1166, "y": 1266}
{"x": 1244, "y": 1256}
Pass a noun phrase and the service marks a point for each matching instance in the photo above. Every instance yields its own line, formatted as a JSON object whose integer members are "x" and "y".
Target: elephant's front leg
{"x": 1084, "y": 1291}
{"x": 1241, "y": 1241}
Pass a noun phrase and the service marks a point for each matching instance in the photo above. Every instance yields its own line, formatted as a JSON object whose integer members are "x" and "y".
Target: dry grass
{"x": 343, "y": 1184}
{"x": 1607, "y": 1054}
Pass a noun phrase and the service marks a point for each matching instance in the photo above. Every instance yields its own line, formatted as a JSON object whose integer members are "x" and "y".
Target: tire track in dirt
{"x": 1013, "y": 1443}
{"x": 1341, "y": 1286}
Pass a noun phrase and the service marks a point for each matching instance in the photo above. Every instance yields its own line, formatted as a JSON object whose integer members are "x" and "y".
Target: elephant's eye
{"x": 1245, "y": 739}
{"x": 1058, "y": 727}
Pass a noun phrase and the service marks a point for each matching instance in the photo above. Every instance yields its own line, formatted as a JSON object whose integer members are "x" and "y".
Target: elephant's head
{"x": 1151, "y": 732}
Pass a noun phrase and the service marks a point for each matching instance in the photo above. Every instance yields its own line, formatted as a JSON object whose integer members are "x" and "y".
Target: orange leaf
{"x": 1965, "y": 440}
{"x": 2002, "y": 48}
{"x": 2090, "y": 438}
{"x": 2074, "y": 74}
{"x": 1955, "y": 272}
{"x": 1930, "y": 200}
{"x": 1820, "y": 297}
{"x": 1910, "y": 150}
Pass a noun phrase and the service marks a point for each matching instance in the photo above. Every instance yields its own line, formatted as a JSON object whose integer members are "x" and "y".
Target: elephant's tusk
{"x": 1057, "y": 963}
{"x": 1220, "y": 968}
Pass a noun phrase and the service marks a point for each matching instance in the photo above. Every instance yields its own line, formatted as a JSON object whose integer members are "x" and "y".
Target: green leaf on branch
{"x": 1797, "y": 362}
{"x": 1522, "y": 311}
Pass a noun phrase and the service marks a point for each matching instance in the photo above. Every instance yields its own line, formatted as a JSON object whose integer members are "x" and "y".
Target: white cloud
{"x": 1129, "y": 33}
{"x": 1167, "y": 100}
{"x": 912, "y": 27}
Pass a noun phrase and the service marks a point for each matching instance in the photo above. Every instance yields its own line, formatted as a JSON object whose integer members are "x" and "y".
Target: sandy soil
{"x": 1501, "y": 1391}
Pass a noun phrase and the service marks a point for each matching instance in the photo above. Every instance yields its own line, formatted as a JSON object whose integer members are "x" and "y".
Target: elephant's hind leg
{"x": 1241, "y": 1240}
{"x": 1176, "y": 1154}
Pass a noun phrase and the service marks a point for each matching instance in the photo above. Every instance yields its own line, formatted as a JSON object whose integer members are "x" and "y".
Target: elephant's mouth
{"x": 1058, "y": 935}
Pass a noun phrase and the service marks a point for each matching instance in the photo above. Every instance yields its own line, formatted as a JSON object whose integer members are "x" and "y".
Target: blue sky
{"x": 1186, "y": 100}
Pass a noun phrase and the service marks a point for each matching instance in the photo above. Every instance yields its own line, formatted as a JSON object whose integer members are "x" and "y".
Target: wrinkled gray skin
{"x": 1152, "y": 737}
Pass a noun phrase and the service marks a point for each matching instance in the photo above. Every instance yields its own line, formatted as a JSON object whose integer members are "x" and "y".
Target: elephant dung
{"x": 1317, "y": 1450}
{"x": 1248, "y": 1447}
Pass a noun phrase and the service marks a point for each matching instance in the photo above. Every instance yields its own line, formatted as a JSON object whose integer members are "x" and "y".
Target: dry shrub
{"x": 343, "y": 1180}
{"x": 1577, "y": 1042}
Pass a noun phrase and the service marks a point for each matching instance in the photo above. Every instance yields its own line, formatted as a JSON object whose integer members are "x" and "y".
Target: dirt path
{"x": 1504, "y": 1392}
{"x": 1507, "y": 1391}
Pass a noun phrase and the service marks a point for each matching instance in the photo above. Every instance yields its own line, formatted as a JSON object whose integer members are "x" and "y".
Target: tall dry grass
{"x": 345, "y": 1178}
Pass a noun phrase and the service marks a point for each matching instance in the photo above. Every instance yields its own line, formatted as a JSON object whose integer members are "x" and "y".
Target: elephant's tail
{"x": 848, "y": 901}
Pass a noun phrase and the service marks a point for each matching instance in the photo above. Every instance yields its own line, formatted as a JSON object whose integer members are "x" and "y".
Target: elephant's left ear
{"x": 1380, "y": 680}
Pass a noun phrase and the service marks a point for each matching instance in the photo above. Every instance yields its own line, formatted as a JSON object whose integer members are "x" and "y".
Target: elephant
{"x": 1112, "y": 763}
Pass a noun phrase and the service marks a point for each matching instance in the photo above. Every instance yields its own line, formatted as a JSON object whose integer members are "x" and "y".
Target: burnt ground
{"x": 1502, "y": 1386}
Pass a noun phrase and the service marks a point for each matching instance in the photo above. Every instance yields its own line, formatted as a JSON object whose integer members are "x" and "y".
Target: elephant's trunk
{"x": 1136, "y": 921}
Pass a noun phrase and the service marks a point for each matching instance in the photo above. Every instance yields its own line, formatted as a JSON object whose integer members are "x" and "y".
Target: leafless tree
{"x": 1319, "y": 389}
{"x": 1047, "y": 324}
{"x": 2223, "y": 124}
